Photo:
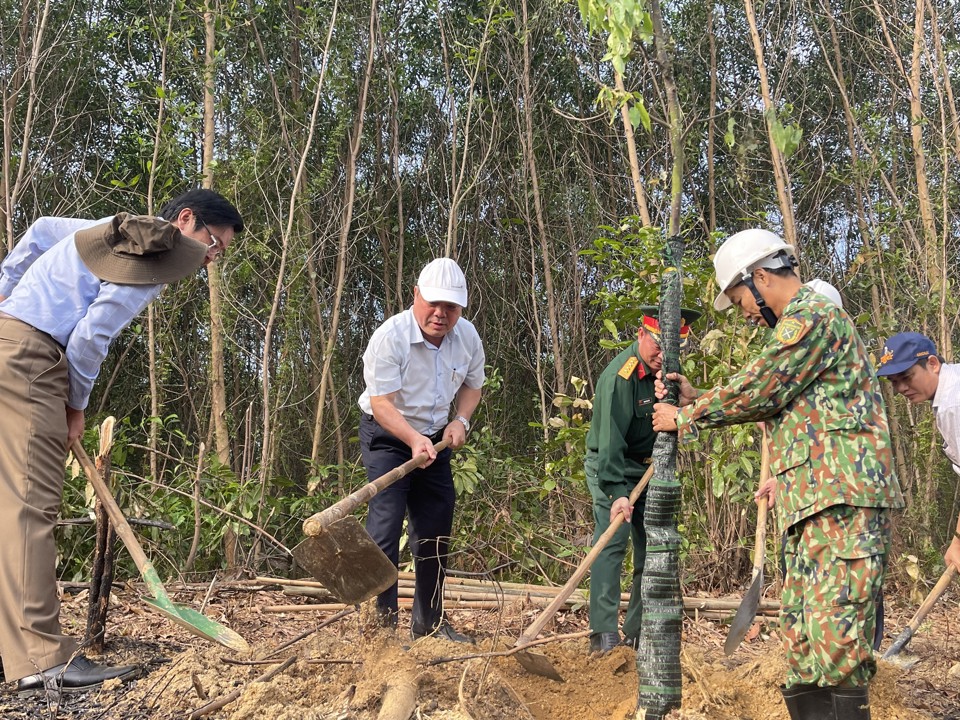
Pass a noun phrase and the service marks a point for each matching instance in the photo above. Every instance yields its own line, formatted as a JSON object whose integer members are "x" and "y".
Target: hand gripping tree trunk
{"x": 658, "y": 661}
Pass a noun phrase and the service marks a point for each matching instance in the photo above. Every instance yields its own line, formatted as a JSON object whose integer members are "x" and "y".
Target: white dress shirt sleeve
{"x": 383, "y": 362}
{"x": 948, "y": 423}
{"x": 42, "y": 235}
{"x": 115, "y": 307}
{"x": 475, "y": 371}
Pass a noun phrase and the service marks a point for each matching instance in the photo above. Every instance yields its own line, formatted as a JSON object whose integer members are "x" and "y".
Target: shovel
{"x": 538, "y": 663}
{"x": 904, "y": 637}
{"x": 338, "y": 551}
{"x": 187, "y": 618}
{"x": 747, "y": 611}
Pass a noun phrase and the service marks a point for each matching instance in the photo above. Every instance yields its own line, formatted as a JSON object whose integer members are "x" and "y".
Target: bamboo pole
{"x": 495, "y": 591}
{"x": 480, "y": 602}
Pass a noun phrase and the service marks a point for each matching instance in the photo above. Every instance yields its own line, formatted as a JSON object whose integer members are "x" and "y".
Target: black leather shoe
{"x": 604, "y": 642}
{"x": 444, "y": 631}
{"x": 633, "y": 642}
{"x": 79, "y": 675}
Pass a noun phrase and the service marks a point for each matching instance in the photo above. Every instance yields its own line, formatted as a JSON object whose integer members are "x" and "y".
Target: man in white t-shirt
{"x": 417, "y": 365}
{"x": 911, "y": 363}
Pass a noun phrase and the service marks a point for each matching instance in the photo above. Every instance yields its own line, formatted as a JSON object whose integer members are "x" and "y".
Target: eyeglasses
{"x": 215, "y": 243}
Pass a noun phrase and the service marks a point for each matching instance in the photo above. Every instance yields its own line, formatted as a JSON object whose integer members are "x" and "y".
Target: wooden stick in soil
{"x": 225, "y": 700}
{"x": 309, "y": 661}
{"x": 101, "y": 576}
{"x": 307, "y": 633}
{"x": 195, "y": 543}
{"x": 400, "y": 697}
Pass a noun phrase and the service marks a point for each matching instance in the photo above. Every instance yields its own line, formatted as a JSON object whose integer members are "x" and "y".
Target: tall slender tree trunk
{"x": 658, "y": 661}
{"x": 349, "y": 195}
{"x": 780, "y": 174}
{"x": 712, "y": 124}
{"x": 943, "y": 76}
{"x": 553, "y": 327}
{"x": 866, "y": 233}
{"x": 218, "y": 390}
{"x": 927, "y": 221}
{"x": 35, "y": 29}
{"x": 154, "y": 430}
{"x": 639, "y": 193}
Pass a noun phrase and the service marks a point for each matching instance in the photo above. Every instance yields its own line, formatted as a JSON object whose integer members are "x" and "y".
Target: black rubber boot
{"x": 809, "y": 702}
{"x": 604, "y": 642}
{"x": 851, "y": 703}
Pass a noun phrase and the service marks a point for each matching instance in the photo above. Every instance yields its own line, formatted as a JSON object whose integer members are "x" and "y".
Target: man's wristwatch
{"x": 466, "y": 423}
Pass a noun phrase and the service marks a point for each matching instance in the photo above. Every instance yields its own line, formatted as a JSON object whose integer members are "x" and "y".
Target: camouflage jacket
{"x": 814, "y": 386}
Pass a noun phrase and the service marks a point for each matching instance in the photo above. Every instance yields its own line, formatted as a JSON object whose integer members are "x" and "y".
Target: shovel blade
{"x": 538, "y": 664}
{"x": 346, "y": 560}
{"x": 198, "y": 623}
{"x": 745, "y": 616}
{"x": 904, "y": 661}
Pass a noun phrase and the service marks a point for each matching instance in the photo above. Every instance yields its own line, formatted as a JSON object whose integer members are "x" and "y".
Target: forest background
{"x": 530, "y": 140}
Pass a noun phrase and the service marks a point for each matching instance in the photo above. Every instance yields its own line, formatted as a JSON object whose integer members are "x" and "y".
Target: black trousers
{"x": 427, "y": 496}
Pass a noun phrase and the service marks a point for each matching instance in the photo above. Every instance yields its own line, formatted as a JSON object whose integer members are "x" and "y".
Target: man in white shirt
{"x": 911, "y": 363}
{"x": 418, "y": 363}
{"x": 66, "y": 291}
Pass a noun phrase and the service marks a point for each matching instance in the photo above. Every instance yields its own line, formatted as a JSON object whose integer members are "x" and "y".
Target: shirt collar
{"x": 946, "y": 382}
{"x": 415, "y": 335}
{"x": 642, "y": 368}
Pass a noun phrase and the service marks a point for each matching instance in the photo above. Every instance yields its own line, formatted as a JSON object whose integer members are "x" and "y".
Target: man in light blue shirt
{"x": 68, "y": 288}
{"x": 418, "y": 364}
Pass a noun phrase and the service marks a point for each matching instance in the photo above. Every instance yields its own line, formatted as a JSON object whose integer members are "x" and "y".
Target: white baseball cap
{"x": 442, "y": 280}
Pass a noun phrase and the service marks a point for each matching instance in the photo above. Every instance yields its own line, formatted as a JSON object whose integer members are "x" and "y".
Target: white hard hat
{"x": 743, "y": 253}
{"x": 827, "y": 290}
{"x": 442, "y": 280}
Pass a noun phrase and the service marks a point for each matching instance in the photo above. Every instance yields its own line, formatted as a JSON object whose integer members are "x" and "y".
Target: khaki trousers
{"x": 33, "y": 435}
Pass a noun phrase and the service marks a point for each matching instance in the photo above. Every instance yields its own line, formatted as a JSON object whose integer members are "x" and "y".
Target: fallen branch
{"x": 307, "y": 633}
{"x": 400, "y": 697}
{"x": 698, "y": 607}
{"x": 130, "y": 521}
{"x": 227, "y": 699}
{"x": 511, "y": 651}
{"x": 308, "y": 661}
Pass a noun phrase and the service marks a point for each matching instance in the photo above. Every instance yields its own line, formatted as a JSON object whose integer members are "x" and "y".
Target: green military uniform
{"x": 832, "y": 458}
{"x": 618, "y": 452}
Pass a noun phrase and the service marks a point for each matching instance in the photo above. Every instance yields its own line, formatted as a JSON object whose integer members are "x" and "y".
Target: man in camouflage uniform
{"x": 832, "y": 469}
{"x": 618, "y": 453}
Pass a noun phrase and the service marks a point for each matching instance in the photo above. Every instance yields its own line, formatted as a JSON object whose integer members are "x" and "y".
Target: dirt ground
{"x": 346, "y": 670}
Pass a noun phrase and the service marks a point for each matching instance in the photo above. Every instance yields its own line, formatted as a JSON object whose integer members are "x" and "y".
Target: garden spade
{"x": 538, "y": 663}
{"x": 904, "y": 637}
{"x": 187, "y": 618}
{"x": 340, "y": 554}
{"x": 747, "y": 611}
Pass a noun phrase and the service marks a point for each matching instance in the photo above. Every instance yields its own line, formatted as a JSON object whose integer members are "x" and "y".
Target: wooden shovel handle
{"x": 120, "y": 523}
{"x": 760, "y": 538}
{"x": 948, "y": 575}
{"x": 315, "y": 524}
{"x": 907, "y": 634}
{"x": 531, "y": 632}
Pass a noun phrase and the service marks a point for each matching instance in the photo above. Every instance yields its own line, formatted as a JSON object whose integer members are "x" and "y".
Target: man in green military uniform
{"x": 618, "y": 452}
{"x": 832, "y": 469}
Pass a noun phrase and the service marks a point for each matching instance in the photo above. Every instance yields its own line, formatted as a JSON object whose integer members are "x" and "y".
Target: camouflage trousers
{"x": 835, "y": 563}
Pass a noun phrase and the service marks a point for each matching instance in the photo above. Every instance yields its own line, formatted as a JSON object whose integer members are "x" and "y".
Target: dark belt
{"x": 435, "y": 438}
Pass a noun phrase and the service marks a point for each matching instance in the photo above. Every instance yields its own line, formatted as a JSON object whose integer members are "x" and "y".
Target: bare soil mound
{"x": 355, "y": 670}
